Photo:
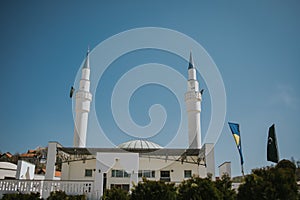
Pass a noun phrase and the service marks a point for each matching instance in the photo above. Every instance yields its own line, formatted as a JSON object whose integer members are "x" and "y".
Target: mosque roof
{"x": 139, "y": 144}
{"x": 8, "y": 166}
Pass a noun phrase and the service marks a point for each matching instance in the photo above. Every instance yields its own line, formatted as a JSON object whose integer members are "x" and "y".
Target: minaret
{"x": 193, "y": 106}
{"x": 83, "y": 100}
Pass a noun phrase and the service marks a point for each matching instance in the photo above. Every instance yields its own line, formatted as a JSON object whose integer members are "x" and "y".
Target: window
{"x": 140, "y": 173}
{"x": 187, "y": 173}
{"x": 164, "y": 173}
{"x": 121, "y": 186}
{"x": 88, "y": 173}
{"x": 119, "y": 173}
{"x": 153, "y": 174}
{"x": 165, "y": 176}
{"x": 147, "y": 173}
{"x": 126, "y": 174}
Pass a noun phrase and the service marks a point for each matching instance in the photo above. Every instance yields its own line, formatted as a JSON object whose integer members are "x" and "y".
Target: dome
{"x": 139, "y": 144}
{"x": 8, "y": 165}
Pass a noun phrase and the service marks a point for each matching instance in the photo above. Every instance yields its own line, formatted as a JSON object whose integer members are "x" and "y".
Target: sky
{"x": 254, "y": 44}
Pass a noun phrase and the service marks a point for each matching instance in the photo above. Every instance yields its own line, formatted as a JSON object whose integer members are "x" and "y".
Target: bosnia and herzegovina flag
{"x": 235, "y": 129}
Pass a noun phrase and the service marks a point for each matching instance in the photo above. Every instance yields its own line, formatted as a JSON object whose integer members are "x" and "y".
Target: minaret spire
{"x": 82, "y": 107}
{"x": 193, "y": 105}
{"x": 192, "y": 69}
{"x": 191, "y": 62}
{"x": 87, "y": 59}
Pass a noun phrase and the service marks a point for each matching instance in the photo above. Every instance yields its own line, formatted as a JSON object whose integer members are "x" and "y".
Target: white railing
{"x": 44, "y": 187}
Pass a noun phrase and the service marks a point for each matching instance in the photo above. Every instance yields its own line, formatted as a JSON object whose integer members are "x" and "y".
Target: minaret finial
{"x": 87, "y": 59}
{"x": 191, "y": 62}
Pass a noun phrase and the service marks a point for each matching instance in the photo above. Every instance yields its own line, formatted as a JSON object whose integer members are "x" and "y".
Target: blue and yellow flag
{"x": 235, "y": 129}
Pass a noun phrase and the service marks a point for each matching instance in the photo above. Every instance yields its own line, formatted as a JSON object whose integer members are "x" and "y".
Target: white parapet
{"x": 25, "y": 170}
{"x": 45, "y": 187}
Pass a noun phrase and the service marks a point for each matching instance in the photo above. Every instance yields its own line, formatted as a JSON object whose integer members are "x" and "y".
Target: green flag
{"x": 272, "y": 150}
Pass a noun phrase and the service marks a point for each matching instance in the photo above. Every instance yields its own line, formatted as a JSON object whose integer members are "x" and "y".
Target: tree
{"x": 61, "y": 195}
{"x": 56, "y": 195}
{"x": 224, "y": 185}
{"x": 20, "y": 196}
{"x": 285, "y": 182}
{"x": 277, "y": 182}
{"x": 115, "y": 194}
{"x": 197, "y": 189}
{"x": 148, "y": 190}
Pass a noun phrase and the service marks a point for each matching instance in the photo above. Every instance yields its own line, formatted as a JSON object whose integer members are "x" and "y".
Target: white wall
{"x": 25, "y": 170}
{"x": 225, "y": 168}
{"x": 76, "y": 170}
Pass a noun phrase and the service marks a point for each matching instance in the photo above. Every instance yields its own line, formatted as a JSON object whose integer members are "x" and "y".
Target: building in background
{"x": 225, "y": 169}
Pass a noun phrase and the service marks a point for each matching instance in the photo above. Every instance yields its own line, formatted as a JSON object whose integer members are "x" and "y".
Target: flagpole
{"x": 242, "y": 166}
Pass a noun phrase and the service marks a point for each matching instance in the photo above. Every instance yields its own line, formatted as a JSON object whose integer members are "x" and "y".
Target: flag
{"x": 235, "y": 129}
{"x": 272, "y": 150}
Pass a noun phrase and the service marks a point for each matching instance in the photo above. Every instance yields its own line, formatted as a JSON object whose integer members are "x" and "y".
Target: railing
{"x": 44, "y": 187}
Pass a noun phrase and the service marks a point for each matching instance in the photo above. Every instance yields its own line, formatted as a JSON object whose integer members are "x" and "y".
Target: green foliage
{"x": 298, "y": 174}
{"x": 192, "y": 189}
{"x": 148, "y": 190}
{"x": 56, "y": 195}
{"x": 198, "y": 189}
{"x": 115, "y": 194}
{"x": 270, "y": 183}
{"x": 20, "y": 196}
{"x": 287, "y": 165}
{"x": 61, "y": 195}
{"x": 76, "y": 197}
{"x": 224, "y": 185}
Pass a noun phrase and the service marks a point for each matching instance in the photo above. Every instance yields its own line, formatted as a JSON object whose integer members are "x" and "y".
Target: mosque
{"x": 103, "y": 168}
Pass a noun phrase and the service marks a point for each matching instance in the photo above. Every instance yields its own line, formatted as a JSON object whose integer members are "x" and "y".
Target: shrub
{"x": 148, "y": 190}
{"x": 197, "y": 189}
{"x": 115, "y": 194}
{"x": 270, "y": 183}
{"x": 61, "y": 195}
{"x": 20, "y": 196}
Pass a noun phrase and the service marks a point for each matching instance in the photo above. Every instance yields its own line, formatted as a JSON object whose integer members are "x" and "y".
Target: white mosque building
{"x": 92, "y": 170}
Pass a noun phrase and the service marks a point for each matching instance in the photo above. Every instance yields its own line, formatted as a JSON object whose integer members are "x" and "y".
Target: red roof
{"x": 57, "y": 174}
{"x": 27, "y": 155}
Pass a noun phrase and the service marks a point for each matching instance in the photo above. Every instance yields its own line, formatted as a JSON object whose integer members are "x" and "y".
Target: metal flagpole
{"x": 243, "y": 170}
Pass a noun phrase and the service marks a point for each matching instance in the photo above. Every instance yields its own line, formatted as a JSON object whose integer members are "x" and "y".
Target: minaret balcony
{"x": 192, "y": 95}
{"x": 84, "y": 95}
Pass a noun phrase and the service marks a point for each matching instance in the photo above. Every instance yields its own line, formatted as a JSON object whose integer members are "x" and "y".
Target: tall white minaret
{"x": 193, "y": 106}
{"x": 83, "y": 100}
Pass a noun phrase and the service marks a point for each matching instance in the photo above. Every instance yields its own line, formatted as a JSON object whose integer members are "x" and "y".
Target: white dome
{"x": 139, "y": 144}
{"x": 8, "y": 165}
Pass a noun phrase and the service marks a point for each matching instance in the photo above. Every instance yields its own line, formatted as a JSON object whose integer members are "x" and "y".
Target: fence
{"x": 44, "y": 187}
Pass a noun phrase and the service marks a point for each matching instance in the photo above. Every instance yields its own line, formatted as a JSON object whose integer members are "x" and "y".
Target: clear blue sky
{"x": 255, "y": 44}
